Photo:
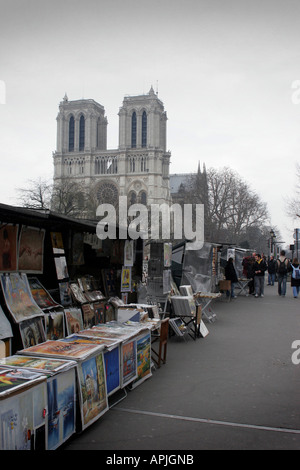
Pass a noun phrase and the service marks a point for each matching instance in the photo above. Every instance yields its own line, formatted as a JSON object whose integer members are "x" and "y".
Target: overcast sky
{"x": 224, "y": 70}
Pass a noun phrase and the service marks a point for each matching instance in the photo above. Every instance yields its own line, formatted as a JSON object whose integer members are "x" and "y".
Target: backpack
{"x": 296, "y": 272}
{"x": 282, "y": 267}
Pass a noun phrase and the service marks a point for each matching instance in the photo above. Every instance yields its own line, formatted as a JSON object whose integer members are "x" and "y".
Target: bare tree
{"x": 293, "y": 204}
{"x": 37, "y": 195}
{"x": 69, "y": 199}
{"x": 231, "y": 206}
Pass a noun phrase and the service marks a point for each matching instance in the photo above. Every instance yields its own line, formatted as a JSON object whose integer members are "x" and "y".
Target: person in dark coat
{"x": 295, "y": 280}
{"x": 271, "y": 271}
{"x": 259, "y": 269}
{"x": 230, "y": 275}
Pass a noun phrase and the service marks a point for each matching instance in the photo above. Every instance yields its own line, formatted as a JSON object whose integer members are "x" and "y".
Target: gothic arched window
{"x": 71, "y": 134}
{"x": 133, "y": 130}
{"x": 143, "y": 197}
{"x": 81, "y": 132}
{"x": 144, "y": 129}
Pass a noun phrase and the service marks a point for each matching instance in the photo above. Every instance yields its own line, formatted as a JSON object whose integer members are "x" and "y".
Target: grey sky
{"x": 223, "y": 69}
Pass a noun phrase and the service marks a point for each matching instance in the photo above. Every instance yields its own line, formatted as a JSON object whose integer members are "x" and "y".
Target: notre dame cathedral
{"x": 138, "y": 168}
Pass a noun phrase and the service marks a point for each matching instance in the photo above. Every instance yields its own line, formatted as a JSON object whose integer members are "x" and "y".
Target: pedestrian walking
{"x": 271, "y": 271}
{"x": 282, "y": 267}
{"x": 295, "y": 279}
{"x": 230, "y": 275}
{"x": 259, "y": 269}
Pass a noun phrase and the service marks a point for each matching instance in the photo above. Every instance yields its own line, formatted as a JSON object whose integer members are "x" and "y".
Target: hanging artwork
{"x": 41, "y": 295}
{"x": 109, "y": 282}
{"x": 57, "y": 243}
{"x": 32, "y": 332}
{"x": 77, "y": 249}
{"x": 128, "y": 253}
{"x": 31, "y": 250}
{"x": 18, "y": 297}
{"x": 8, "y": 247}
{"x": 61, "y": 267}
{"x": 92, "y": 389}
{"x": 126, "y": 279}
{"x": 74, "y": 320}
{"x": 167, "y": 255}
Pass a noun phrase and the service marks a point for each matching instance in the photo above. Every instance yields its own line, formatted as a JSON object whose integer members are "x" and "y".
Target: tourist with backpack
{"x": 282, "y": 268}
{"x": 295, "y": 279}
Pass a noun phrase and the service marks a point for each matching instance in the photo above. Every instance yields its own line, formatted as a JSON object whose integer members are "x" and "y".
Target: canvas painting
{"x": 55, "y": 325}
{"x": 126, "y": 280}
{"x": 143, "y": 346}
{"x": 74, "y": 320}
{"x": 32, "y": 332}
{"x": 18, "y": 297}
{"x": 21, "y": 417}
{"x": 39, "y": 364}
{"x": 41, "y": 295}
{"x": 109, "y": 282}
{"x": 57, "y": 243}
{"x": 84, "y": 337}
{"x": 5, "y": 326}
{"x": 99, "y": 309}
{"x": 112, "y": 370}
{"x": 77, "y": 293}
{"x": 128, "y": 362}
{"x": 65, "y": 294}
{"x": 8, "y": 247}
{"x": 61, "y": 267}
{"x": 92, "y": 385}
{"x": 128, "y": 253}
{"x": 31, "y": 250}
{"x": 61, "y": 349}
{"x": 61, "y": 392}
{"x": 88, "y": 315}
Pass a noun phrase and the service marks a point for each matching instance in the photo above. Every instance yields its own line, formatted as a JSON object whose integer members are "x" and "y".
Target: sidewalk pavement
{"x": 237, "y": 388}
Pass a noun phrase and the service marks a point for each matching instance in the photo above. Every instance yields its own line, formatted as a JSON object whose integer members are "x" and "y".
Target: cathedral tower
{"x": 138, "y": 168}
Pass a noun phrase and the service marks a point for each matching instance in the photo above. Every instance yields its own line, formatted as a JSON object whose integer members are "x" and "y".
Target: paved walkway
{"x": 235, "y": 389}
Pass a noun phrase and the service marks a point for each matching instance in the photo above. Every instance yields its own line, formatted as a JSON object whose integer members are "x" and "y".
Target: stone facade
{"x": 138, "y": 168}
